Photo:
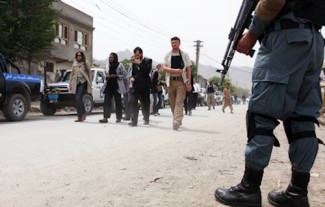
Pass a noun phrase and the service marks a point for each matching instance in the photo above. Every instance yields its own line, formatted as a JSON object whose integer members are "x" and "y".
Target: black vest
{"x": 210, "y": 89}
{"x": 177, "y": 61}
{"x": 312, "y": 10}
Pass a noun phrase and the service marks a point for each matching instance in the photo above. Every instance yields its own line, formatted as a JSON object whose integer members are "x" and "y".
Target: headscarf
{"x": 114, "y": 64}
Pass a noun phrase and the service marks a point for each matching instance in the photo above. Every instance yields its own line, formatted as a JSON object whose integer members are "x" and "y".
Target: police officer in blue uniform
{"x": 285, "y": 87}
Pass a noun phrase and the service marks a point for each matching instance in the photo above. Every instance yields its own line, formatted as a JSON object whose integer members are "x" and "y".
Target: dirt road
{"x": 52, "y": 161}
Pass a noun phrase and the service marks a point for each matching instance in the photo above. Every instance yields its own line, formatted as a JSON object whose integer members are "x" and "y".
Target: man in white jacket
{"x": 178, "y": 77}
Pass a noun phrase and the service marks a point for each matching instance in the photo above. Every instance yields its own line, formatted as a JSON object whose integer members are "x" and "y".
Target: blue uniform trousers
{"x": 286, "y": 84}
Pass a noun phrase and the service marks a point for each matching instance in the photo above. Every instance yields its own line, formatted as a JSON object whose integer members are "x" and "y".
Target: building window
{"x": 62, "y": 34}
{"x": 49, "y": 67}
{"x": 81, "y": 40}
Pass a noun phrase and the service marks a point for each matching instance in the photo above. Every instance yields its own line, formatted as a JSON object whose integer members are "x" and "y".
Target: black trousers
{"x": 188, "y": 102}
{"x": 108, "y": 104}
{"x": 127, "y": 105}
{"x": 144, "y": 97}
{"x": 194, "y": 103}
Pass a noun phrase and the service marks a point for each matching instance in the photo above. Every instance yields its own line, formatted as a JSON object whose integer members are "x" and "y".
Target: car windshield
{"x": 67, "y": 76}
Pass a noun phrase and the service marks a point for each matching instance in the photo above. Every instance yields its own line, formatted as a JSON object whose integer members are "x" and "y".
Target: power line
{"x": 231, "y": 67}
{"x": 113, "y": 17}
{"x": 126, "y": 13}
{"x": 125, "y": 28}
{"x": 132, "y": 17}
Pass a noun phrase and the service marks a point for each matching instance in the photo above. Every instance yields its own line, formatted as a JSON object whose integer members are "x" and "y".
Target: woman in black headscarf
{"x": 114, "y": 86}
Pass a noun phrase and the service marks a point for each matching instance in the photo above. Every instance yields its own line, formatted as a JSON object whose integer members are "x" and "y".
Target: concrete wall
{"x": 62, "y": 56}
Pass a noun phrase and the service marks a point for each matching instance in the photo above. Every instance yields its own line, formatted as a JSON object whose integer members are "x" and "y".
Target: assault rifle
{"x": 243, "y": 21}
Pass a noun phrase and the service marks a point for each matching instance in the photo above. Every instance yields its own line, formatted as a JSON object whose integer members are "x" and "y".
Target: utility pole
{"x": 197, "y": 45}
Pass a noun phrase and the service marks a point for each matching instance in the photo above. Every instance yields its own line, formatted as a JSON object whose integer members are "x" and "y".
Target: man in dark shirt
{"x": 140, "y": 86}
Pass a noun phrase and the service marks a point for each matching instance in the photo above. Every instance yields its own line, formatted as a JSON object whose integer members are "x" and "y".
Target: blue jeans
{"x": 160, "y": 100}
{"x": 157, "y": 100}
{"x": 81, "y": 90}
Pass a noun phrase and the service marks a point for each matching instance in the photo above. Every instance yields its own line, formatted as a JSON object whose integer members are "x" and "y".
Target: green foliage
{"x": 126, "y": 63}
{"x": 194, "y": 70}
{"x": 95, "y": 65}
{"x": 27, "y": 28}
{"x": 242, "y": 92}
{"x": 235, "y": 90}
{"x": 5, "y": 18}
{"x": 216, "y": 81}
{"x": 163, "y": 75}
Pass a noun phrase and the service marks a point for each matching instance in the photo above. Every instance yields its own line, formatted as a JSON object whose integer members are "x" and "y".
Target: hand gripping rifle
{"x": 243, "y": 21}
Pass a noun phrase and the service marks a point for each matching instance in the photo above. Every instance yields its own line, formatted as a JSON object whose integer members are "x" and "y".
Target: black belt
{"x": 176, "y": 78}
{"x": 288, "y": 24}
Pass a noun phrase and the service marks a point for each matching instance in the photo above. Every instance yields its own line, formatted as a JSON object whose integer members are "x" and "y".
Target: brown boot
{"x": 83, "y": 117}
{"x": 79, "y": 119}
{"x": 104, "y": 120}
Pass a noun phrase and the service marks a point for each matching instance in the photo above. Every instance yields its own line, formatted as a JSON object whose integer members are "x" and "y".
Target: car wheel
{"x": 47, "y": 109}
{"x": 88, "y": 102}
{"x": 16, "y": 108}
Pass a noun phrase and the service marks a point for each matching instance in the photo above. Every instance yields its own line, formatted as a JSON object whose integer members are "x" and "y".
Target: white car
{"x": 218, "y": 97}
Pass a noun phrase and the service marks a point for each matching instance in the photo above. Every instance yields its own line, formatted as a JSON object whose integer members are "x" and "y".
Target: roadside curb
{"x": 35, "y": 107}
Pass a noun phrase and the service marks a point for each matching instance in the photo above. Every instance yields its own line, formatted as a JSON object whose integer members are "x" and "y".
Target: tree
{"x": 216, "y": 81}
{"x": 194, "y": 70}
{"x": 126, "y": 63}
{"x": 95, "y": 65}
{"x": 28, "y": 26}
{"x": 6, "y": 18}
{"x": 242, "y": 91}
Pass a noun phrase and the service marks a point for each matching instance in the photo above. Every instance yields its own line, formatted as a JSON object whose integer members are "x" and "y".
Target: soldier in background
{"x": 210, "y": 95}
{"x": 227, "y": 101}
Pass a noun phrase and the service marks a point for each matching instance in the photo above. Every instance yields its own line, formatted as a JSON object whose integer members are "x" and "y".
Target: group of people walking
{"x": 139, "y": 83}
{"x": 136, "y": 85}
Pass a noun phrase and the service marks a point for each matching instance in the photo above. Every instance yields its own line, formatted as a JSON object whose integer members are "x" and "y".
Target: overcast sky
{"x": 125, "y": 24}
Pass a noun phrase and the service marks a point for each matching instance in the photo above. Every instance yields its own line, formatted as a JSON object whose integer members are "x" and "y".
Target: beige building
{"x": 74, "y": 32}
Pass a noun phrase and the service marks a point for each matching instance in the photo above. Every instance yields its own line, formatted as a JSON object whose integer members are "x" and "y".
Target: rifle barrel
{"x": 242, "y": 22}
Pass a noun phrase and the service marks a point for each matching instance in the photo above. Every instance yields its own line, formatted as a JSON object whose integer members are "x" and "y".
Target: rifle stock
{"x": 243, "y": 21}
